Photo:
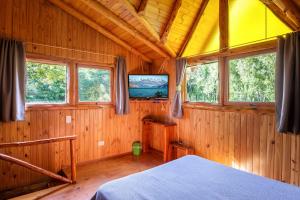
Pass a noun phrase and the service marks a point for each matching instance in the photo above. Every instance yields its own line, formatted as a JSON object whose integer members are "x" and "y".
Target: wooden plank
{"x": 294, "y": 173}
{"x": 270, "y": 147}
{"x": 266, "y": 46}
{"x": 263, "y": 132}
{"x": 244, "y": 136}
{"x": 226, "y": 139}
{"x": 250, "y": 134}
{"x": 97, "y": 27}
{"x": 142, "y": 7}
{"x": 223, "y": 24}
{"x": 286, "y": 158}
{"x": 35, "y": 142}
{"x": 237, "y": 140}
{"x": 278, "y": 156}
{"x": 280, "y": 14}
{"x": 256, "y": 145}
{"x": 124, "y": 25}
{"x": 293, "y": 9}
{"x": 73, "y": 161}
{"x": 170, "y": 21}
{"x": 145, "y": 24}
{"x": 231, "y": 140}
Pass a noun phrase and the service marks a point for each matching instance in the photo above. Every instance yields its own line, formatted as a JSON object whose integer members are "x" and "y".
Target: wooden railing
{"x": 36, "y": 168}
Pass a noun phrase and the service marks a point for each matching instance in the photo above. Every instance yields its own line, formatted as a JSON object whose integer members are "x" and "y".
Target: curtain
{"x": 122, "y": 96}
{"x": 12, "y": 80}
{"x": 288, "y": 83}
{"x": 177, "y": 101}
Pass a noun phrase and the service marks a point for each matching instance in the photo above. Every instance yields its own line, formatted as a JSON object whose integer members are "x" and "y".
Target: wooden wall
{"x": 245, "y": 140}
{"x": 38, "y": 21}
{"x": 235, "y": 136}
{"x": 90, "y": 126}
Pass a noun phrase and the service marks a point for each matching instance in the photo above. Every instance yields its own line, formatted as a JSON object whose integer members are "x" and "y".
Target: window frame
{"x": 68, "y": 79}
{"x": 222, "y": 56}
{"x": 201, "y": 103}
{"x": 227, "y": 77}
{"x": 94, "y": 66}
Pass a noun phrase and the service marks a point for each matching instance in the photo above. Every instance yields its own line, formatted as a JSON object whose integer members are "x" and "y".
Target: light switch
{"x": 68, "y": 119}
{"x": 101, "y": 143}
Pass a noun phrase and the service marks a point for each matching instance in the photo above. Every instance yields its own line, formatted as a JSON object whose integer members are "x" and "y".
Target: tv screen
{"x": 148, "y": 86}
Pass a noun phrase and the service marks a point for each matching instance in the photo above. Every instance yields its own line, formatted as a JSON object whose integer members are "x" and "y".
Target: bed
{"x": 193, "y": 177}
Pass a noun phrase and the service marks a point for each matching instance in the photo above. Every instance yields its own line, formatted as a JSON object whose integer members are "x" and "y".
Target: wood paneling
{"x": 246, "y": 140}
{"x": 237, "y": 136}
{"x": 38, "y": 21}
{"x": 90, "y": 126}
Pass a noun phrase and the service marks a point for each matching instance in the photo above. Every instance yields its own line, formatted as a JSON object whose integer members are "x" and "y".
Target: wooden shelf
{"x": 149, "y": 100}
{"x": 177, "y": 150}
{"x": 161, "y": 122}
{"x": 167, "y": 131}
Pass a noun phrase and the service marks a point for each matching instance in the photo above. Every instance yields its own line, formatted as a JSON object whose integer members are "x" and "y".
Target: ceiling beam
{"x": 97, "y": 27}
{"x": 292, "y": 9}
{"x": 142, "y": 7}
{"x": 99, "y": 8}
{"x": 171, "y": 19}
{"x": 280, "y": 14}
{"x": 193, "y": 28}
{"x": 146, "y": 25}
{"x": 250, "y": 48}
{"x": 223, "y": 24}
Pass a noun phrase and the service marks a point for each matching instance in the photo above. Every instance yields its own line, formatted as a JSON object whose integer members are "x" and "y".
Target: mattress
{"x": 192, "y": 177}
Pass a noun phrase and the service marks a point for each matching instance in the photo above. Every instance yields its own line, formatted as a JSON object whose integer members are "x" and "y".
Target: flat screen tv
{"x": 148, "y": 86}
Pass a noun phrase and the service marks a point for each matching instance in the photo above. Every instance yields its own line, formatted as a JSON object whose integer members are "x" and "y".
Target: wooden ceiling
{"x": 154, "y": 28}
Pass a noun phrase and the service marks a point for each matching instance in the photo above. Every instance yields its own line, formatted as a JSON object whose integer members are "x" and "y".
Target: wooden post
{"x": 169, "y": 137}
{"x": 223, "y": 24}
{"x": 145, "y": 135}
{"x": 73, "y": 161}
{"x": 166, "y": 142}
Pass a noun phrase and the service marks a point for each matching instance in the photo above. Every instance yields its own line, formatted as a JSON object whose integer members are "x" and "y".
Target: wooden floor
{"x": 91, "y": 176}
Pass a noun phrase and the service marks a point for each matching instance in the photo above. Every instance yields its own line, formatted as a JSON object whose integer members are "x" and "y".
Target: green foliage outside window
{"x": 94, "y": 85}
{"x": 45, "y": 83}
{"x": 252, "y": 79}
{"x": 202, "y": 83}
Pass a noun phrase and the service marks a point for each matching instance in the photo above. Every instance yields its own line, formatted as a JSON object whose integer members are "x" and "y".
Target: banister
{"x": 35, "y": 142}
{"x": 33, "y": 167}
{"x": 22, "y": 163}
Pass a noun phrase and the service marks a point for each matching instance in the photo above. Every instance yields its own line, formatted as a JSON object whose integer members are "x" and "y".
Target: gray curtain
{"x": 288, "y": 83}
{"x": 122, "y": 96}
{"x": 177, "y": 101}
{"x": 12, "y": 80}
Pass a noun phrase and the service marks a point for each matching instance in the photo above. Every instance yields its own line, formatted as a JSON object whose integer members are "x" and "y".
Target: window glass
{"x": 205, "y": 38}
{"x": 252, "y": 79}
{"x": 94, "y": 84}
{"x": 46, "y": 83}
{"x": 202, "y": 83}
{"x": 251, "y": 22}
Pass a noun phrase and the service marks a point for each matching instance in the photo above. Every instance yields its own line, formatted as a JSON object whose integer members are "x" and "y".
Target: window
{"x": 202, "y": 83}
{"x": 46, "y": 83}
{"x": 252, "y": 79}
{"x": 94, "y": 84}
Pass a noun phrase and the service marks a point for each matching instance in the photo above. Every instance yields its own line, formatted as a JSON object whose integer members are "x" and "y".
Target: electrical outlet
{"x": 68, "y": 119}
{"x": 100, "y": 143}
